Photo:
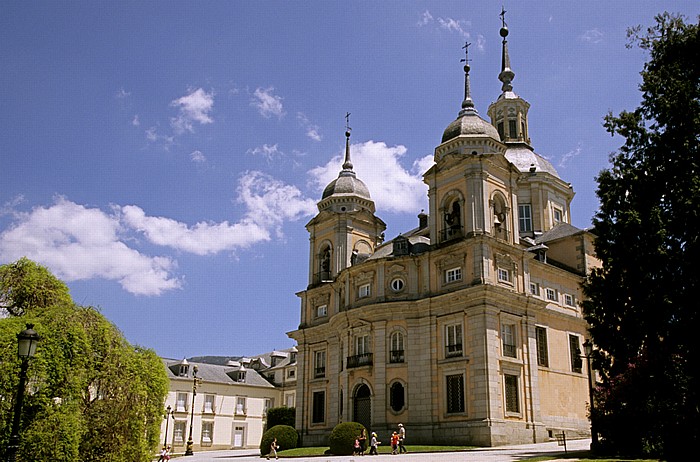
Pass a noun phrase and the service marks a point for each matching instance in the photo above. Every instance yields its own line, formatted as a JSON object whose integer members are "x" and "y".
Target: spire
{"x": 467, "y": 104}
{"x": 506, "y": 75}
{"x": 347, "y": 165}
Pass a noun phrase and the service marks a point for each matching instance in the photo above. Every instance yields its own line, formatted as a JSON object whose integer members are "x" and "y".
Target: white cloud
{"x": 311, "y": 129}
{"x": 267, "y": 103}
{"x": 592, "y": 36}
{"x": 425, "y": 18}
{"x": 198, "y": 156}
{"x": 393, "y": 188}
{"x": 77, "y": 243}
{"x": 122, "y": 94}
{"x": 193, "y": 107}
{"x": 455, "y": 25}
{"x": 269, "y": 152}
{"x": 135, "y": 121}
{"x": 570, "y": 155}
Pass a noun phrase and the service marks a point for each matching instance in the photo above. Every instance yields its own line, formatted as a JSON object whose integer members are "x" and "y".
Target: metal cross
{"x": 466, "y": 53}
{"x": 347, "y": 122}
{"x": 503, "y": 16}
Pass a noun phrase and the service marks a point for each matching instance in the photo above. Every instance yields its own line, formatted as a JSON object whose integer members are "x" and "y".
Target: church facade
{"x": 467, "y": 329}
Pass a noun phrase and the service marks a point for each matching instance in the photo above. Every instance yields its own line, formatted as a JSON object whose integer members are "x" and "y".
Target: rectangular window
{"x": 508, "y": 339}
{"x": 525, "y": 217}
{"x": 542, "y": 353}
{"x": 321, "y": 311}
{"x": 289, "y": 400}
{"x": 209, "y": 403}
{"x": 319, "y": 364}
{"x": 318, "y": 413}
{"x": 269, "y": 403}
{"x": 575, "y": 349}
{"x": 291, "y": 373}
{"x": 181, "y": 404}
{"x": 455, "y": 393}
{"x": 512, "y": 395}
{"x": 179, "y": 433}
{"x": 503, "y": 275}
{"x": 453, "y": 340}
{"x": 364, "y": 291}
{"x": 207, "y": 433}
{"x": 452, "y": 275}
{"x": 568, "y": 300}
{"x": 240, "y": 405}
{"x": 558, "y": 216}
{"x": 512, "y": 128}
{"x": 551, "y": 294}
{"x": 501, "y": 133}
{"x": 362, "y": 344}
{"x": 535, "y": 289}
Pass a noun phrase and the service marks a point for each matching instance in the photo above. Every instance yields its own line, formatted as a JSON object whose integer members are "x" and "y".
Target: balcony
{"x": 364, "y": 359}
{"x": 453, "y": 351}
{"x": 396, "y": 356}
{"x": 453, "y": 232}
{"x": 322, "y": 276}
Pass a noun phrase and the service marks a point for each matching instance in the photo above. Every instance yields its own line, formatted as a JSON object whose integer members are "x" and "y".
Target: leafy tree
{"x": 642, "y": 302}
{"x": 93, "y": 395}
{"x": 26, "y": 285}
{"x": 281, "y": 416}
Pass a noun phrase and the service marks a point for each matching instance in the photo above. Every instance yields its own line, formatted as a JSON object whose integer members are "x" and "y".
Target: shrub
{"x": 281, "y": 416}
{"x": 287, "y": 438}
{"x": 342, "y": 439}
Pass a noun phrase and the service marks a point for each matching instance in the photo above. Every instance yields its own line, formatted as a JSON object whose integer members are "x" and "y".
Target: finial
{"x": 506, "y": 76}
{"x": 347, "y": 165}
{"x": 467, "y": 104}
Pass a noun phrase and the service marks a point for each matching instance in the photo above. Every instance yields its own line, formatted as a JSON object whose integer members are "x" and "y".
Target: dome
{"x": 470, "y": 124}
{"x": 526, "y": 159}
{"x": 346, "y": 184}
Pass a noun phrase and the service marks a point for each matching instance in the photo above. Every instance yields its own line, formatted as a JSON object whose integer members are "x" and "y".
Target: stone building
{"x": 467, "y": 329}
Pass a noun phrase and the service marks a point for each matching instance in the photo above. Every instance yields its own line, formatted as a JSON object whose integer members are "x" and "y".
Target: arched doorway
{"x": 362, "y": 406}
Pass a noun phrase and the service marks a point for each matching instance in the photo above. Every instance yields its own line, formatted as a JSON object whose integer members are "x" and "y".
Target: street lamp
{"x": 27, "y": 341}
{"x": 588, "y": 348}
{"x": 195, "y": 381}
{"x": 168, "y": 414}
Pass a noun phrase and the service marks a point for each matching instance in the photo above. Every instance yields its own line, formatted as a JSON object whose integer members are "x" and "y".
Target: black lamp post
{"x": 588, "y": 348}
{"x": 27, "y": 341}
{"x": 195, "y": 381}
{"x": 168, "y": 414}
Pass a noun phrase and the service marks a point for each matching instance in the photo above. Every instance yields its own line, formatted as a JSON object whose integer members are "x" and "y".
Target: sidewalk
{"x": 497, "y": 454}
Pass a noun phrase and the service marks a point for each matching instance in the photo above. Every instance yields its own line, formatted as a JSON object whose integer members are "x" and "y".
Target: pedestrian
{"x": 273, "y": 449}
{"x": 363, "y": 442}
{"x": 402, "y": 437}
{"x": 163, "y": 453}
{"x": 373, "y": 443}
{"x": 356, "y": 447}
{"x": 394, "y": 442}
{"x": 168, "y": 451}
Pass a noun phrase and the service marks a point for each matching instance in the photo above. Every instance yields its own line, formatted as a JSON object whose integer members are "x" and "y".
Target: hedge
{"x": 287, "y": 438}
{"x": 342, "y": 439}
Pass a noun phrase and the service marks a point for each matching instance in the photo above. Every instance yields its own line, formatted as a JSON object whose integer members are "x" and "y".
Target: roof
{"x": 470, "y": 124}
{"x": 216, "y": 373}
{"x": 525, "y": 158}
{"x": 558, "y": 232}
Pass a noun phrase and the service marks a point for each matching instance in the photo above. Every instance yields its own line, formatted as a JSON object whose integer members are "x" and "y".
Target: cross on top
{"x": 466, "y": 53}
{"x": 503, "y": 16}
{"x": 347, "y": 122}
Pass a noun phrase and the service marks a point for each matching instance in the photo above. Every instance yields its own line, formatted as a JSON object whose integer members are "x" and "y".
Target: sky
{"x": 163, "y": 157}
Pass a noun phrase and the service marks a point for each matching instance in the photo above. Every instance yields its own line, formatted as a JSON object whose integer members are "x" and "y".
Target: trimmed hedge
{"x": 342, "y": 439}
{"x": 287, "y": 438}
{"x": 281, "y": 416}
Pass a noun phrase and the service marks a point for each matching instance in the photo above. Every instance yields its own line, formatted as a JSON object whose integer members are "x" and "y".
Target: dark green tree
{"x": 642, "y": 303}
{"x": 281, "y": 416}
{"x": 92, "y": 394}
{"x": 25, "y": 285}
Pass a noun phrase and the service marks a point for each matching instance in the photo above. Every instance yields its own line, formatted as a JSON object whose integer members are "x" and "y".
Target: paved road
{"x": 500, "y": 454}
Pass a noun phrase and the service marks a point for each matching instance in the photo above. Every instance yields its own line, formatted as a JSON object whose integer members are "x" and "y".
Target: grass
{"x": 319, "y": 450}
{"x": 584, "y": 456}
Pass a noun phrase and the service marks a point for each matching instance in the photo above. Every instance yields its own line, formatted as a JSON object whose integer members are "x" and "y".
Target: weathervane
{"x": 466, "y": 53}
{"x": 503, "y": 16}
{"x": 347, "y": 124}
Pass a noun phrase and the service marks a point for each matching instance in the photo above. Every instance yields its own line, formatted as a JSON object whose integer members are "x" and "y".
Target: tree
{"x": 25, "y": 285}
{"x": 281, "y": 416}
{"x": 93, "y": 395}
{"x": 642, "y": 302}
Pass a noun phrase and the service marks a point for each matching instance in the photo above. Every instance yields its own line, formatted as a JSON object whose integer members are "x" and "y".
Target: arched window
{"x": 453, "y": 220}
{"x": 396, "y": 351}
{"x": 324, "y": 264}
{"x": 397, "y": 397}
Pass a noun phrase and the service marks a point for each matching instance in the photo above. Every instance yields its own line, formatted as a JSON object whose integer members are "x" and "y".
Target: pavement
{"x": 497, "y": 454}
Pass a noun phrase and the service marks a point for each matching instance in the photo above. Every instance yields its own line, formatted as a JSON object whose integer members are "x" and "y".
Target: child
{"x": 356, "y": 448}
{"x": 273, "y": 449}
{"x": 394, "y": 442}
{"x": 373, "y": 445}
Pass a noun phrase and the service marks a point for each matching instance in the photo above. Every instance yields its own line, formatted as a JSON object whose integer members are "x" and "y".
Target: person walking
{"x": 394, "y": 443}
{"x": 373, "y": 443}
{"x": 402, "y": 437}
{"x": 363, "y": 442}
{"x": 273, "y": 449}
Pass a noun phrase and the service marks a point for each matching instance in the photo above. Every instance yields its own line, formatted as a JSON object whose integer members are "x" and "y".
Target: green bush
{"x": 342, "y": 439}
{"x": 281, "y": 416}
{"x": 287, "y": 438}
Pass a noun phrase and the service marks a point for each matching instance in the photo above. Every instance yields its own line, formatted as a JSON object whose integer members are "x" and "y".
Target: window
{"x": 453, "y": 340}
{"x": 240, "y": 405}
{"x": 321, "y": 311}
{"x": 455, "y": 393}
{"x": 364, "y": 291}
{"x": 575, "y": 350}
{"x": 292, "y": 357}
{"x": 512, "y": 395}
{"x": 289, "y": 400}
{"x": 209, "y": 403}
{"x": 551, "y": 294}
{"x": 503, "y": 275}
{"x": 291, "y": 373}
{"x": 362, "y": 344}
{"x": 181, "y": 404}
{"x": 179, "y": 433}
{"x": 512, "y": 128}
{"x": 452, "y": 275}
{"x": 557, "y": 216}
{"x": 542, "y": 354}
{"x": 396, "y": 353}
{"x": 397, "y": 398}
{"x": 501, "y": 133}
{"x": 535, "y": 289}
{"x": 318, "y": 413}
{"x": 508, "y": 340}
{"x": 568, "y": 300}
{"x": 397, "y": 284}
{"x": 319, "y": 364}
{"x": 182, "y": 372}
{"x": 207, "y": 433}
{"x": 525, "y": 217}
{"x": 269, "y": 403}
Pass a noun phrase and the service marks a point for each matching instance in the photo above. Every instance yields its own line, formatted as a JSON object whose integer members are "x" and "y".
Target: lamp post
{"x": 588, "y": 348}
{"x": 27, "y": 341}
{"x": 195, "y": 381}
{"x": 168, "y": 414}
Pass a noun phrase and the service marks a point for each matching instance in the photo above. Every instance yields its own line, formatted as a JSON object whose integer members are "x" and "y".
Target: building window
{"x": 182, "y": 372}
{"x": 455, "y": 393}
{"x": 318, "y": 413}
{"x": 535, "y": 289}
{"x": 321, "y": 311}
{"x": 397, "y": 284}
{"x": 503, "y": 275}
{"x": 512, "y": 129}
{"x": 291, "y": 373}
{"x": 209, "y": 404}
{"x": 525, "y": 217}
{"x": 453, "y": 340}
{"x": 289, "y": 400}
{"x": 542, "y": 354}
{"x": 575, "y": 350}
{"x": 396, "y": 353}
{"x": 397, "y": 397}
{"x": 269, "y": 403}
{"x": 362, "y": 344}
{"x": 568, "y": 300}
{"x": 292, "y": 357}
{"x": 512, "y": 395}
{"x": 501, "y": 133}
{"x": 319, "y": 364}
{"x": 207, "y": 433}
{"x": 558, "y": 216}
{"x": 364, "y": 291}
{"x": 240, "y": 405}
{"x": 181, "y": 404}
{"x": 551, "y": 294}
{"x": 508, "y": 340}
{"x": 452, "y": 275}
{"x": 179, "y": 433}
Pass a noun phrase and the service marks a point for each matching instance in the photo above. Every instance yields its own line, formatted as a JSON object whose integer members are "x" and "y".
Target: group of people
{"x": 164, "y": 454}
{"x": 397, "y": 443}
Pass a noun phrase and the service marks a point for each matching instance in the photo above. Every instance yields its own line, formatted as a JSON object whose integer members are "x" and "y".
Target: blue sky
{"x": 163, "y": 157}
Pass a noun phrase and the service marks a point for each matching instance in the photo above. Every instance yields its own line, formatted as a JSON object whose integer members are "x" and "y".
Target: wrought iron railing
{"x": 396, "y": 356}
{"x": 364, "y": 359}
{"x": 452, "y": 351}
